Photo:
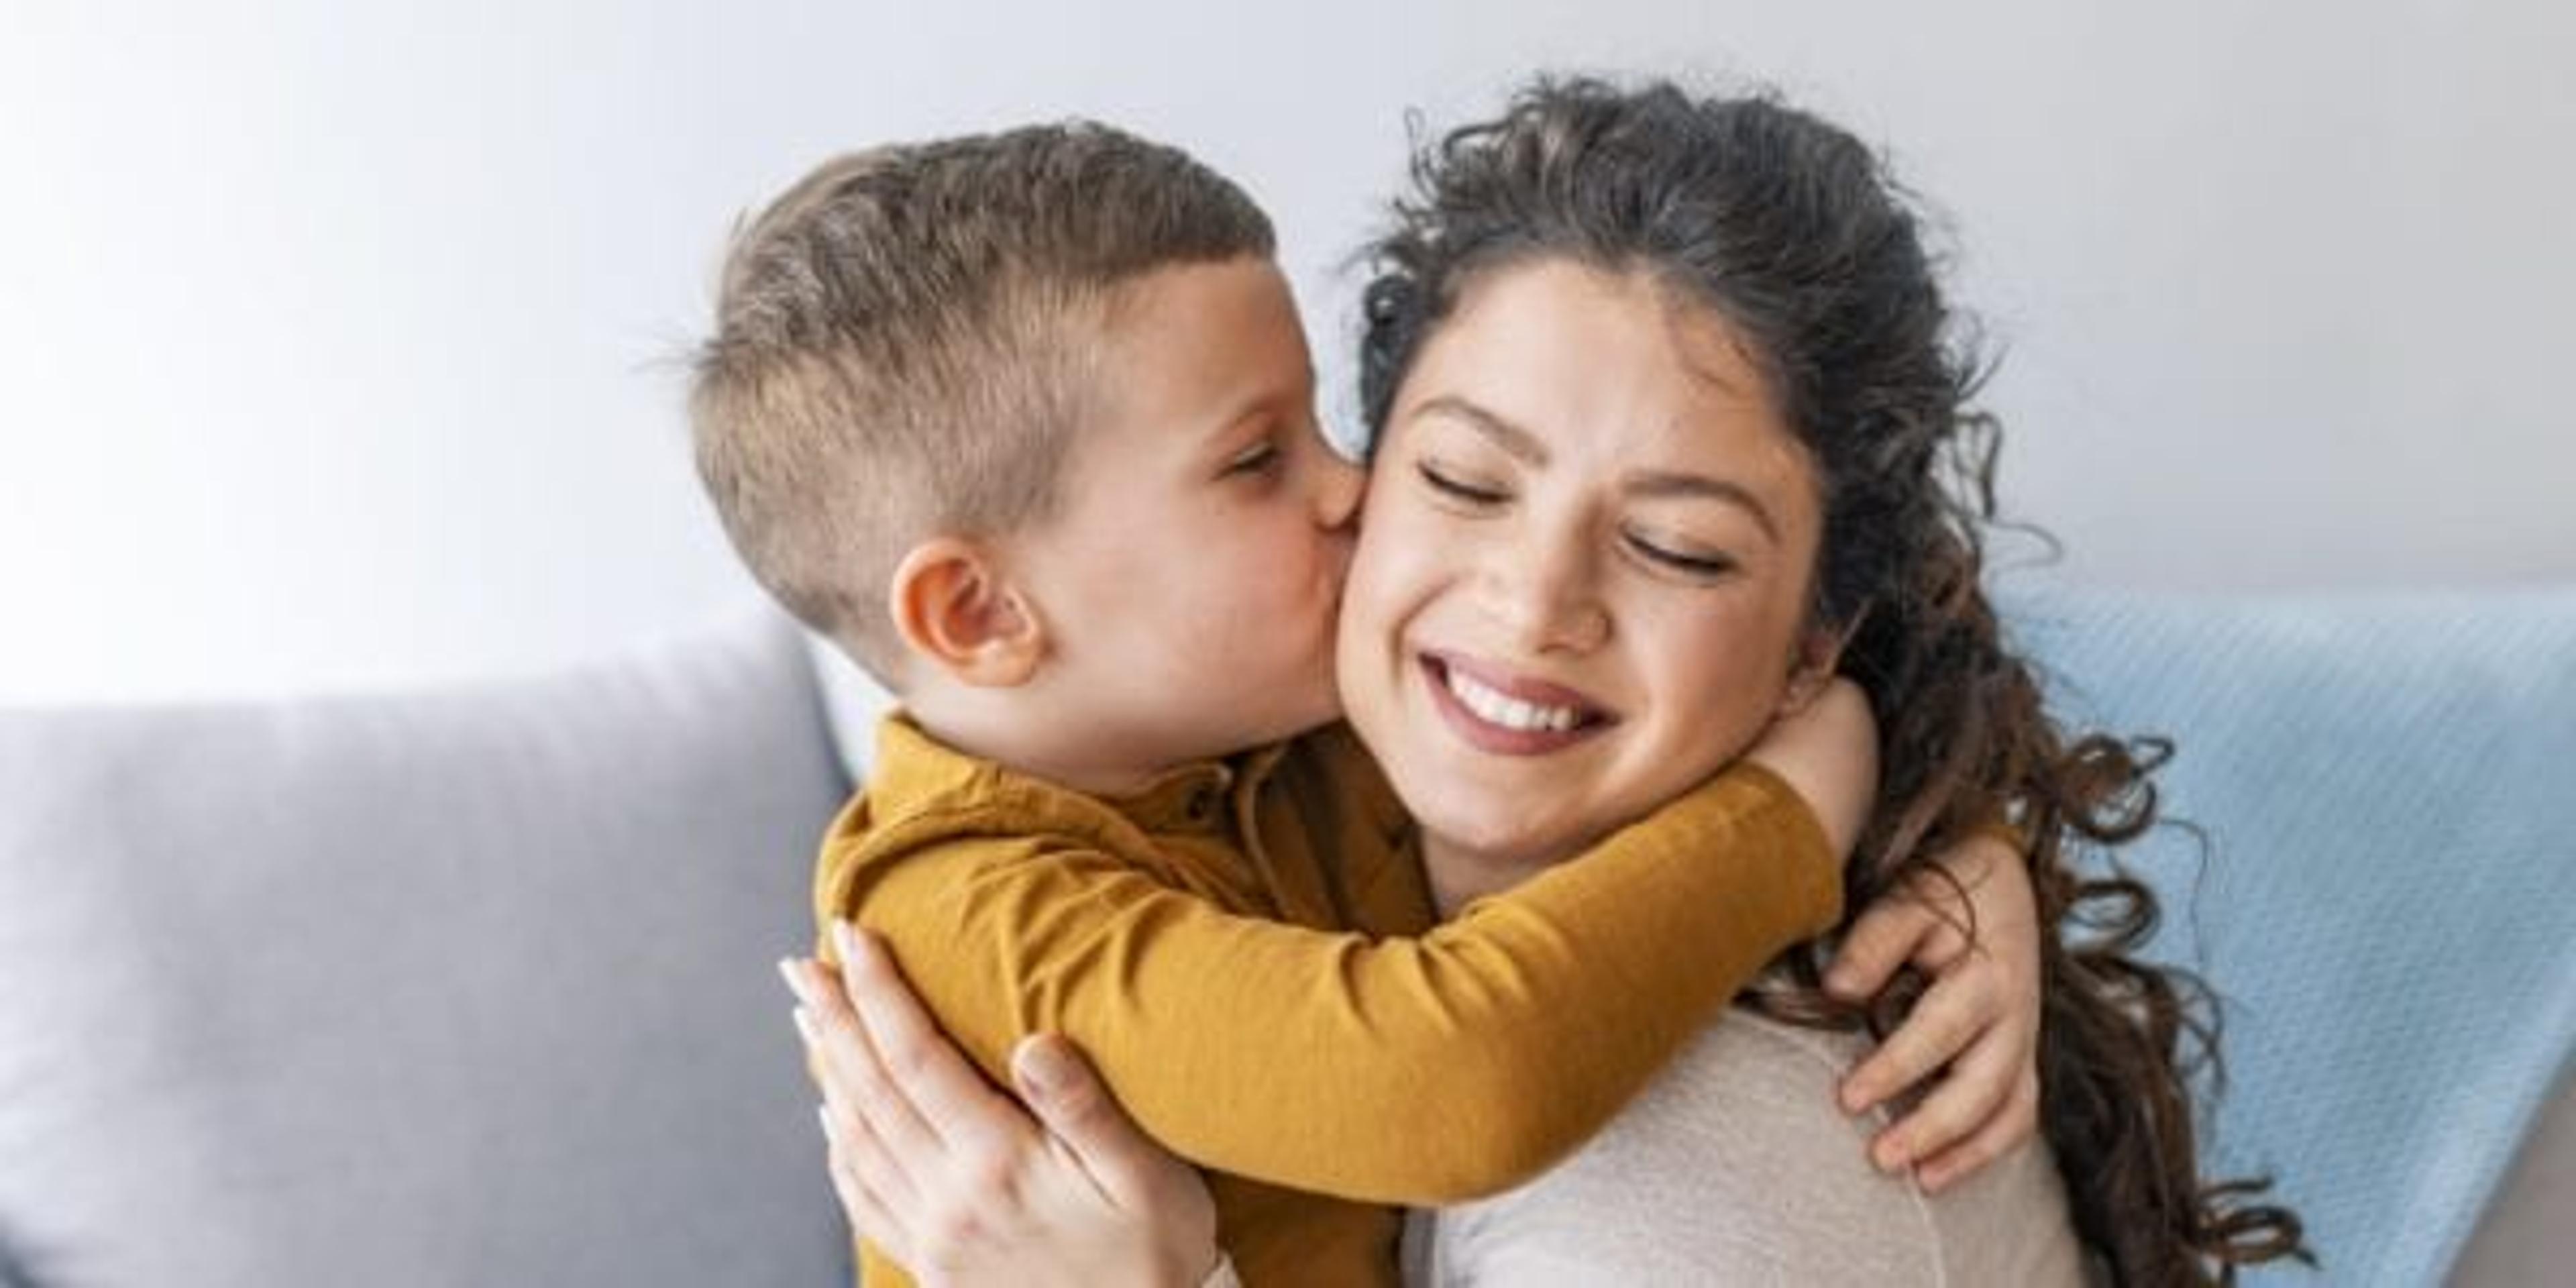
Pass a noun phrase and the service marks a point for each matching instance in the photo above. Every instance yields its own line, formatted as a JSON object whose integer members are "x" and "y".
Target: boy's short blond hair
{"x": 903, "y": 348}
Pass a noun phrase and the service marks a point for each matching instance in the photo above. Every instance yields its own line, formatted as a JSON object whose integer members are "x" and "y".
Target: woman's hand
{"x": 957, "y": 1182}
{"x": 1979, "y": 1020}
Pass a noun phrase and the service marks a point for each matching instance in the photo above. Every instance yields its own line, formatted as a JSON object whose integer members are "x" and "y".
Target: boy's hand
{"x": 1827, "y": 749}
{"x": 957, "y": 1182}
{"x": 1979, "y": 1019}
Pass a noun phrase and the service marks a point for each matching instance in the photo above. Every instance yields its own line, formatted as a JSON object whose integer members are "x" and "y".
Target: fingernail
{"x": 1039, "y": 1064}
{"x": 823, "y": 1119}
{"x": 805, "y": 1026}
{"x": 795, "y": 978}
{"x": 1890, "y": 1156}
{"x": 1857, "y": 1097}
{"x": 844, "y": 940}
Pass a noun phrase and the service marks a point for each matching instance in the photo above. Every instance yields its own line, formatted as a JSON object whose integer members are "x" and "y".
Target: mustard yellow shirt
{"x": 1245, "y": 950}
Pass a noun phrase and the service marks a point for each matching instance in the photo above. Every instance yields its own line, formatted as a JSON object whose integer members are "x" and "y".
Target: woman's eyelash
{"x": 1475, "y": 495}
{"x": 1696, "y": 565}
{"x": 1467, "y": 492}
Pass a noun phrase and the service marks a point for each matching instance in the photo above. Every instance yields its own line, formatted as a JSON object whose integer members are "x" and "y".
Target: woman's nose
{"x": 1546, "y": 594}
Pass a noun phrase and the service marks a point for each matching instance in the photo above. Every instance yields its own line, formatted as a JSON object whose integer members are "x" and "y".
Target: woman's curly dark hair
{"x": 1791, "y": 231}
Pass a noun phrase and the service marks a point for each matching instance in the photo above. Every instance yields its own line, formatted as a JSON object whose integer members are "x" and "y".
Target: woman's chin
{"x": 1501, "y": 832}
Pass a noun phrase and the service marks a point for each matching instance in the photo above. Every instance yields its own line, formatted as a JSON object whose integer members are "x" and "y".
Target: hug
{"x": 1586, "y": 834}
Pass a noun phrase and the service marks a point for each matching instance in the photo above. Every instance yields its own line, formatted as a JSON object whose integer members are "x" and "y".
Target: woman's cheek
{"x": 1379, "y": 567}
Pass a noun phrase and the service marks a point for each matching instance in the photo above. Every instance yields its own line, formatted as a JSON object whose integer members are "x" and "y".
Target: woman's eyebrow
{"x": 1653, "y": 484}
{"x": 1513, "y": 439}
{"x": 1663, "y": 483}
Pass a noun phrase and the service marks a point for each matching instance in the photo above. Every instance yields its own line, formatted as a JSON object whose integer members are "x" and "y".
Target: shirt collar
{"x": 912, "y": 764}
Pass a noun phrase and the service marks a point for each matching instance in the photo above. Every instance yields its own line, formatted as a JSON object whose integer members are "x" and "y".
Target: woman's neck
{"x": 1459, "y": 876}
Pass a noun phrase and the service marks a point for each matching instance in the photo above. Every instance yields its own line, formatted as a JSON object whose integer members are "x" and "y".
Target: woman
{"x": 1665, "y": 395}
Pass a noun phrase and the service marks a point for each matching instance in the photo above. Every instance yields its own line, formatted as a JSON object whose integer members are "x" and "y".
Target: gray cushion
{"x": 461, "y": 988}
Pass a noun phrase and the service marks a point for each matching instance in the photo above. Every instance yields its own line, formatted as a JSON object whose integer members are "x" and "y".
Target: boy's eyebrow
{"x": 1520, "y": 443}
{"x": 1263, "y": 401}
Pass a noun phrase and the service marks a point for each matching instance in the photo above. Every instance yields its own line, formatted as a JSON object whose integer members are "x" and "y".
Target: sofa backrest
{"x": 474, "y": 987}
{"x": 470, "y": 987}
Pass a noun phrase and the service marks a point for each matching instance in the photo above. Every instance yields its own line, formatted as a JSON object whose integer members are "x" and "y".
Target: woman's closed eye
{"x": 1473, "y": 494}
{"x": 1705, "y": 564}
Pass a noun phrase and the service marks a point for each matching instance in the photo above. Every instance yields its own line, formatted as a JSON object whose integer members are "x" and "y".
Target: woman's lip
{"x": 1502, "y": 740}
{"x": 1538, "y": 693}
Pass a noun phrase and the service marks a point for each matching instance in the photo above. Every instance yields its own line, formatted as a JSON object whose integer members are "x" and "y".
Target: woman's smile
{"x": 1505, "y": 713}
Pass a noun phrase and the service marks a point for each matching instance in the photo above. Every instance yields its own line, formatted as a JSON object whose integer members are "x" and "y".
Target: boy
{"x": 1023, "y": 422}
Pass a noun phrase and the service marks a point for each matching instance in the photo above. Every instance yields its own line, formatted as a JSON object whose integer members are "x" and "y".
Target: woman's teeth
{"x": 1495, "y": 707}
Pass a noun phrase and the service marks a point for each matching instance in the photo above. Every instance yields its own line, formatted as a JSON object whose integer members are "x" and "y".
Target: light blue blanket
{"x": 2388, "y": 903}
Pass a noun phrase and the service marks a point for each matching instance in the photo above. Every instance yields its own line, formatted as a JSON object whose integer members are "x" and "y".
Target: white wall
{"x": 333, "y": 337}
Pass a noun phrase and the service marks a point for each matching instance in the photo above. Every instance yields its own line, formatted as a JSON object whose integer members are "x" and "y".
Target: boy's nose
{"x": 1338, "y": 484}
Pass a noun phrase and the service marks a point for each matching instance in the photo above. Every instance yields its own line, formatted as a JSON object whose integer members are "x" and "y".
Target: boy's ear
{"x": 960, "y": 614}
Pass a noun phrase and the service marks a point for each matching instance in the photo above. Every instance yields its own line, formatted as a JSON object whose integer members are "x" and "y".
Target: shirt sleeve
{"x": 1408, "y": 1070}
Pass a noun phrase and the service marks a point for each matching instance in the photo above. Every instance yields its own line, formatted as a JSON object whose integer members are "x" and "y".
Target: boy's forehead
{"x": 1193, "y": 350}
{"x": 1206, "y": 304}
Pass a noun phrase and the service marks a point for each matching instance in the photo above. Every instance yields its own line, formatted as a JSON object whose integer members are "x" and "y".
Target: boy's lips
{"x": 1505, "y": 714}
